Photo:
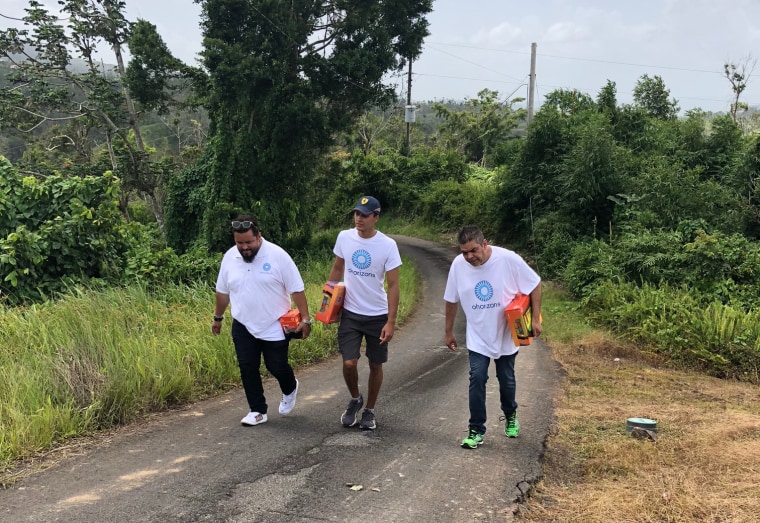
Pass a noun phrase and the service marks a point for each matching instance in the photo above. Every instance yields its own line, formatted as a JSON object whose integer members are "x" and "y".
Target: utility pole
{"x": 532, "y": 87}
{"x": 408, "y": 108}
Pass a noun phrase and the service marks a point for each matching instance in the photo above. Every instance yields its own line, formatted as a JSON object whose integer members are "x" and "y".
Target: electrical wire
{"x": 470, "y": 62}
{"x": 648, "y": 66}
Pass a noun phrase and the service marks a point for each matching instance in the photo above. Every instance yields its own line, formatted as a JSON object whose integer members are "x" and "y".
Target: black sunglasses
{"x": 244, "y": 225}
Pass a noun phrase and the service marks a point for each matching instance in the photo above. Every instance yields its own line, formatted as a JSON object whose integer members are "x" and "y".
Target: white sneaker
{"x": 253, "y": 418}
{"x": 288, "y": 401}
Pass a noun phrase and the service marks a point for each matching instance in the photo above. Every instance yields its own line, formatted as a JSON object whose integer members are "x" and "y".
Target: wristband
{"x": 218, "y": 318}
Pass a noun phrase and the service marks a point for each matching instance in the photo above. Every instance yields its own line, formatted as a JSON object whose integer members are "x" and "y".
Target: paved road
{"x": 199, "y": 465}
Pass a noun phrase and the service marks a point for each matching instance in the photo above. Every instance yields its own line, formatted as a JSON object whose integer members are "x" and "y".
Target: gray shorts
{"x": 353, "y": 327}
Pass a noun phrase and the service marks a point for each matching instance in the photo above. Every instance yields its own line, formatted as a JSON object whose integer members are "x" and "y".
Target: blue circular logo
{"x": 483, "y": 291}
{"x": 267, "y": 266}
{"x": 361, "y": 259}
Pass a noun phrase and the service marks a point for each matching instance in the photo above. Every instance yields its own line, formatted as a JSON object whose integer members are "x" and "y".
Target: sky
{"x": 580, "y": 44}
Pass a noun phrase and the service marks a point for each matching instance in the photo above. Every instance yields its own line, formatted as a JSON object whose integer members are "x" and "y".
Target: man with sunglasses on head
{"x": 365, "y": 259}
{"x": 258, "y": 278}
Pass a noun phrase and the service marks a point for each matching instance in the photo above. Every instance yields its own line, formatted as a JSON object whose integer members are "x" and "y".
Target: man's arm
{"x": 299, "y": 298}
{"x": 394, "y": 292}
{"x": 222, "y": 301}
{"x": 336, "y": 273}
{"x": 535, "y": 310}
{"x": 451, "y": 314}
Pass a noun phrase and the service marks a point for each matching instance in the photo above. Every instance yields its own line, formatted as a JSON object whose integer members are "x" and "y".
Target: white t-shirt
{"x": 366, "y": 262}
{"x": 484, "y": 292}
{"x": 260, "y": 291}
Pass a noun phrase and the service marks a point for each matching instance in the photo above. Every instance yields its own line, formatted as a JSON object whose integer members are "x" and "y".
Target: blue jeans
{"x": 249, "y": 351}
{"x": 505, "y": 373}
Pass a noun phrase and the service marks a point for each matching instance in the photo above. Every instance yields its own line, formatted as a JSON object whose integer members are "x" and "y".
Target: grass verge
{"x": 703, "y": 465}
{"x": 97, "y": 359}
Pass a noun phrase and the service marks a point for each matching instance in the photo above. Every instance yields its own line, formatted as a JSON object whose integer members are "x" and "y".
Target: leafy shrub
{"x": 57, "y": 230}
{"x": 591, "y": 264}
{"x": 717, "y": 267}
{"x": 451, "y": 205}
{"x": 691, "y": 331}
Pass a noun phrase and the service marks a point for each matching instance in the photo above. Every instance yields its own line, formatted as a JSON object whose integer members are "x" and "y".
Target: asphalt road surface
{"x": 198, "y": 464}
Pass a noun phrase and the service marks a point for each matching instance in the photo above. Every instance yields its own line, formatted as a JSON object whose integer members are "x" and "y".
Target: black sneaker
{"x": 349, "y": 416}
{"x": 368, "y": 420}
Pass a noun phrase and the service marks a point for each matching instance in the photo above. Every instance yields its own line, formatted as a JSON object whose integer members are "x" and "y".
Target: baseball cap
{"x": 367, "y": 205}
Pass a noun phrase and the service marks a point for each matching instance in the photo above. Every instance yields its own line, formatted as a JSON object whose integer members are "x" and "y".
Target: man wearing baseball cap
{"x": 365, "y": 259}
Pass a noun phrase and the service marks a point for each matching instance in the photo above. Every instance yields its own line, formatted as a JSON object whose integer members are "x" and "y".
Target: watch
{"x": 218, "y": 318}
{"x": 307, "y": 322}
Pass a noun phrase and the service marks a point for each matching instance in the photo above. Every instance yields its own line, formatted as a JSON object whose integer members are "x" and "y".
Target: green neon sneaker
{"x": 512, "y": 429}
{"x": 473, "y": 440}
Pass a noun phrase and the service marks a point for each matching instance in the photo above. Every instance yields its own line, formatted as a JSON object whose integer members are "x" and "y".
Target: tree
{"x": 152, "y": 68}
{"x": 58, "y": 81}
{"x": 606, "y": 101}
{"x": 652, "y": 96}
{"x": 480, "y": 127}
{"x": 568, "y": 101}
{"x": 284, "y": 79}
{"x": 57, "y": 230}
{"x": 738, "y": 76}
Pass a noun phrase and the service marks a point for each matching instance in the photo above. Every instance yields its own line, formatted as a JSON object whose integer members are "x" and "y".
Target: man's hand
{"x": 387, "y": 333}
{"x": 304, "y": 328}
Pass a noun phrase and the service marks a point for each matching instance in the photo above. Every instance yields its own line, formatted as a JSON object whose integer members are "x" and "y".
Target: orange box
{"x": 291, "y": 319}
{"x": 332, "y": 302}
{"x": 519, "y": 319}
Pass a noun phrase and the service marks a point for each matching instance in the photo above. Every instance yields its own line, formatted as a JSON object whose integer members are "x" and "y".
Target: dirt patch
{"x": 703, "y": 465}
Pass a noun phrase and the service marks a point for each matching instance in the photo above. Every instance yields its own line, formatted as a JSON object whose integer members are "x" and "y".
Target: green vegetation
{"x": 122, "y": 183}
{"x": 595, "y": 471}
{"x": 98, "y": 358}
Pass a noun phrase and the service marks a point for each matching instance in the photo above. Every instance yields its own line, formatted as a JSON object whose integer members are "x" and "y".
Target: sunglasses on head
{"x": 244, "y": 225}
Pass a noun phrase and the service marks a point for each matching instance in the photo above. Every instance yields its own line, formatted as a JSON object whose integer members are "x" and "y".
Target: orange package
{"x": 332, "y": 302}
{"x": 290, "y": 320}
{"x": 519, "y": 319}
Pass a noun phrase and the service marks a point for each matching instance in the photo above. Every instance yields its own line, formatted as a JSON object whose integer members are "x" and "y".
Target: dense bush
{"x": 692, "y": 332}
{"x": 449, "y": 205}
{"x": 56, "y": 230}
{"x": 399, "y": 182}
{"x": 60, "y": 231}
{"x": 715, "y": 267}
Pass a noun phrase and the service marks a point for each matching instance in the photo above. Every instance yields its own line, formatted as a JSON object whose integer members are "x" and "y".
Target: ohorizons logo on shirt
{"x": 484, "y": 292}
{"x": 361, "y": 259}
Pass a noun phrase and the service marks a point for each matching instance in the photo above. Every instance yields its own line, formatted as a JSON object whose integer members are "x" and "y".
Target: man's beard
{"x": 248, "y": 258}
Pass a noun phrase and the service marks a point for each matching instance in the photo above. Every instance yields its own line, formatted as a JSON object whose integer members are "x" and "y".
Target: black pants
{"x": 249, "y": 350}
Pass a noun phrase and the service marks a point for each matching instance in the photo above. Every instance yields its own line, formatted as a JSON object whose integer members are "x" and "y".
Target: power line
{"x": 11, "y": 18}
{"x": 23, "y": 20}
{"x": 631, "y": 64}
{"x": 466, "y": 78}
{"x": 471, "y": 62}
{"x": 588, "y": 91}
{"x": 584, "y": 59}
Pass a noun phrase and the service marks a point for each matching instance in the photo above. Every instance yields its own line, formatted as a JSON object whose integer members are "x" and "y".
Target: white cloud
{"x": 503, "y": 34}
{"x": 581, "y": 43}
{"x": 566, "y": 31}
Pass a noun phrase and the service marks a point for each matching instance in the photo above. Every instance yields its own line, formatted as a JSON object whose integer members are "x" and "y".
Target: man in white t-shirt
{"x": 484, "y": 279}
{"x": 259, "y": 279}
{"x": 365, "y": 259}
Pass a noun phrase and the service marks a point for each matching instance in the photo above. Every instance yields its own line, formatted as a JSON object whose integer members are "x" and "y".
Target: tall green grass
{"x": 720, "y": 339}
{"x": 99, "y": 358}
{"x": 562, "y": 319}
